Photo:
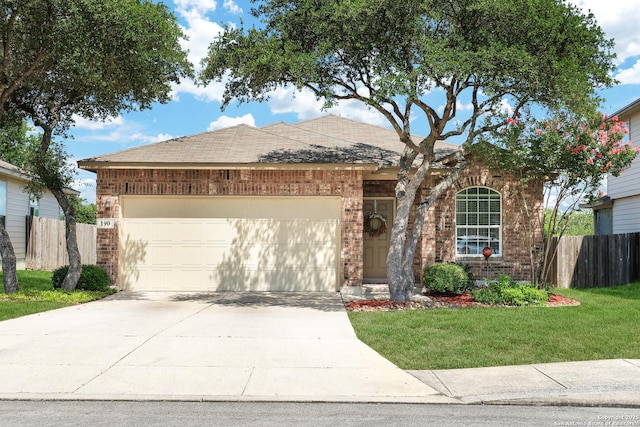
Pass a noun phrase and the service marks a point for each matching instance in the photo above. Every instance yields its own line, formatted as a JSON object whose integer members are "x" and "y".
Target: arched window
{"x": 478, "y": 221}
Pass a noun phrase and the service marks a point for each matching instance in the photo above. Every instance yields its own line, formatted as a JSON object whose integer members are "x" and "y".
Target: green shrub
{"x": 446, "y": 278}
{"x": 509, "y": 292}
{"x": 92, "y": 278}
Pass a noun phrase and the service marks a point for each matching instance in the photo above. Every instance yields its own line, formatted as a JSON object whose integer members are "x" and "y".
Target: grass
{"x": 604, "y": 326}
{"x": 36, "y": 295}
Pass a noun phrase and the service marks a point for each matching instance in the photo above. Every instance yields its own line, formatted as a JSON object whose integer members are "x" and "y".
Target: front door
{"x": 378, "y": 220}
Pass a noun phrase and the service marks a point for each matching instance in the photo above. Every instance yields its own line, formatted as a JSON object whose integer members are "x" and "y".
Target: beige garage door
{"x": 216, "y": 244}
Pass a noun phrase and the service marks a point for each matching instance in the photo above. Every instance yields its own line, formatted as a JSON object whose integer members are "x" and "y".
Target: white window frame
{"x": 4, "y": 190}
{"x": 470, "y": 226}
{"x": 34, "y": 205}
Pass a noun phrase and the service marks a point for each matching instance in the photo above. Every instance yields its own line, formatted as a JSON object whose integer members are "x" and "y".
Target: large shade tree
{"x": 391, "y": 54}
{"x": 64, "y": 59}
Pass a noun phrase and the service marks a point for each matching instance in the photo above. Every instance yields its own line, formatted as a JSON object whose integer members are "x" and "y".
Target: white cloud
{"x": 618, "y": 20}
{"x": 463, "y": 107}
{"x": 86, "y": 187}
{"x": 226, "y": 121}
{"x": 200, "y": 31}
{"x": 211, "y": 92}
{"x": 202, "y": 6}
{"x": 305, "y": 105}
{"x": 82, "y": 123}
{"x": 630, "y": 75}
{"x": 505, "y": 107}
{"x": 118, "y": 131}
{"x": 232, "y": 7}
{"x": 148, "y": 139}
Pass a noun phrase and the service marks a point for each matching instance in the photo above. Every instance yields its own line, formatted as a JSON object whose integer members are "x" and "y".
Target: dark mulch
{"x": 439, "y": 301}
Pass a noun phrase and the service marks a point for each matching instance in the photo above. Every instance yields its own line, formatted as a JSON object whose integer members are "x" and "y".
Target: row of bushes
{"x": 92, "y": 278}
{"x": 457, "y": 279}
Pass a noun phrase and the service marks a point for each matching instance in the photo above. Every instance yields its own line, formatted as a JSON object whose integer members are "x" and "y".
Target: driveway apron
{"x": 218, "y": 346}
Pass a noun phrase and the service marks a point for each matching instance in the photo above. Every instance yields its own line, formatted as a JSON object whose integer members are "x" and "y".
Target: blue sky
{"x": 196, "y": 109}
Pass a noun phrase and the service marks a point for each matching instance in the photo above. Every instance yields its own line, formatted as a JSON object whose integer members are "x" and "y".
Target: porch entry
{"x": 378, "y": 220}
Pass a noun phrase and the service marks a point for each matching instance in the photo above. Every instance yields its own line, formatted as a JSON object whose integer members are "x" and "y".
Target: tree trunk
{"x": 8, "y": 262}
{"x": 75, "y": 262}
{"x": 52, "y": 176}
{"x": 400, "y": 283}
{"x": 404, "y": 240}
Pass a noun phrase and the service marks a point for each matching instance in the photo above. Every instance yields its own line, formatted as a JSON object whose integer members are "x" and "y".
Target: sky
{"x": 194, "y": 109}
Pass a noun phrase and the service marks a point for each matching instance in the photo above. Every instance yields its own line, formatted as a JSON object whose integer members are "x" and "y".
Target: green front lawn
{"x": 37, "y": 294}
{"x": 604, "y": 326}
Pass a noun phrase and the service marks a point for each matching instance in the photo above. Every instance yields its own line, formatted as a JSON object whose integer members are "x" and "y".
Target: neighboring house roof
{"x": 22, "y": 175}
{"x": 13, "y": 171}
{"x": 628, "y": 108}
{"x": 328, "y": 139}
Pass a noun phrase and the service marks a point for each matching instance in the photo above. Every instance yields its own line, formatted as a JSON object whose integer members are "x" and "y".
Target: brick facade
{"x": 438, "y": 238}
{"x": 521, "y": 231}
{"x": 111, "y": 183}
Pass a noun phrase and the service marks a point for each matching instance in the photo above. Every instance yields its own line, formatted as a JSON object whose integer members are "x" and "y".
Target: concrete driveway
{"x": 222, "y": 346}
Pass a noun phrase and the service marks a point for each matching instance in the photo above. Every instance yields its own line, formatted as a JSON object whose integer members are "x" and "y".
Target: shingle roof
{"x": 14, "y": 171}
{"x": 627, "y": 108}
{"x": 327, "y": 139}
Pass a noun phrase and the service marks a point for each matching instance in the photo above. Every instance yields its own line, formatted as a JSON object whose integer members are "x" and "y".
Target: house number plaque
{"x": 106, "y": 223}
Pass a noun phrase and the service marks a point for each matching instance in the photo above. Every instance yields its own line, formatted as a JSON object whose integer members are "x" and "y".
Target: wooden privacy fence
{"x": 595, "y": 261}
{"x": 47, "y": 247}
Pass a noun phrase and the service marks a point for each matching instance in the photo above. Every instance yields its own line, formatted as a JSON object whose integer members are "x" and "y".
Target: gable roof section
{"x": 624, "y": 111}
{"x": 8, "y": 169}
{"x": 328, "y": 140}
{"x": 13, "y": 171}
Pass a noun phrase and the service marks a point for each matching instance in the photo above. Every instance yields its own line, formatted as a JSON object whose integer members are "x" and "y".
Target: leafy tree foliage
{"x": 579, "y": 223}
{"x": 85, "y": 213}
{"x": 15, "y": 142}
{"x": 87, "y": 58}
{"x": 390, "y": 54}
{"x": 572, "y": 154}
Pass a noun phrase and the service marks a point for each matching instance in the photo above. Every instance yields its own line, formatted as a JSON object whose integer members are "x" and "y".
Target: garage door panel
{"x": 216, "y": 254}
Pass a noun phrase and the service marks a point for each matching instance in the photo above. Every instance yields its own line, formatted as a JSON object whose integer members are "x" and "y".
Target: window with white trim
{"x": 478, "y": 221}
{"x": 34, "y": 205}
{"x": 3, "y": 203}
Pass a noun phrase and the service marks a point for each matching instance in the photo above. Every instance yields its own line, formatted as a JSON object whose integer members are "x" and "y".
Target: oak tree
{"x": 83, "y": 58}
{"x": 417, "y": 61}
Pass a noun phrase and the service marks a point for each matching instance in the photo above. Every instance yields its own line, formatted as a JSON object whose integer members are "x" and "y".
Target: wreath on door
{"x": 375, "y": 224}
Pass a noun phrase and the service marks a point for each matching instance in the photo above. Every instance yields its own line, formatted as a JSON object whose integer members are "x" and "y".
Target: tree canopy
{"x": 391, "y": 54}
{"x": 63, "y": 59}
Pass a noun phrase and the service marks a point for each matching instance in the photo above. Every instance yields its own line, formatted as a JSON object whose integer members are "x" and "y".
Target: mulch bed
{"x": 440, "y": 301}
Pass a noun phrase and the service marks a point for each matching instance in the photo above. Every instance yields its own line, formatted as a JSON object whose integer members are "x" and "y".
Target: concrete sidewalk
{"x": 590, "y": 383}
{"x": 226, "y": 346}
{"x": 260, "y": 347}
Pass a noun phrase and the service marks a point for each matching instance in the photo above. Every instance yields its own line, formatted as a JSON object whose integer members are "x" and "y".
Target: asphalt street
{"x": 141, "y": 414}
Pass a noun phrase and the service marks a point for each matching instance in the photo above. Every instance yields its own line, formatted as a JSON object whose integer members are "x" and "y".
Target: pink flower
{"x": 601, "y": 193}
{"x": 511, "y": 120}
{"x": 590, "y": 161}
{"x": 538, "y": 131}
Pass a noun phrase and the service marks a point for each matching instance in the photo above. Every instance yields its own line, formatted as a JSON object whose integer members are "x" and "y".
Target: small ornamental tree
{"x": 571, "y": 154}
